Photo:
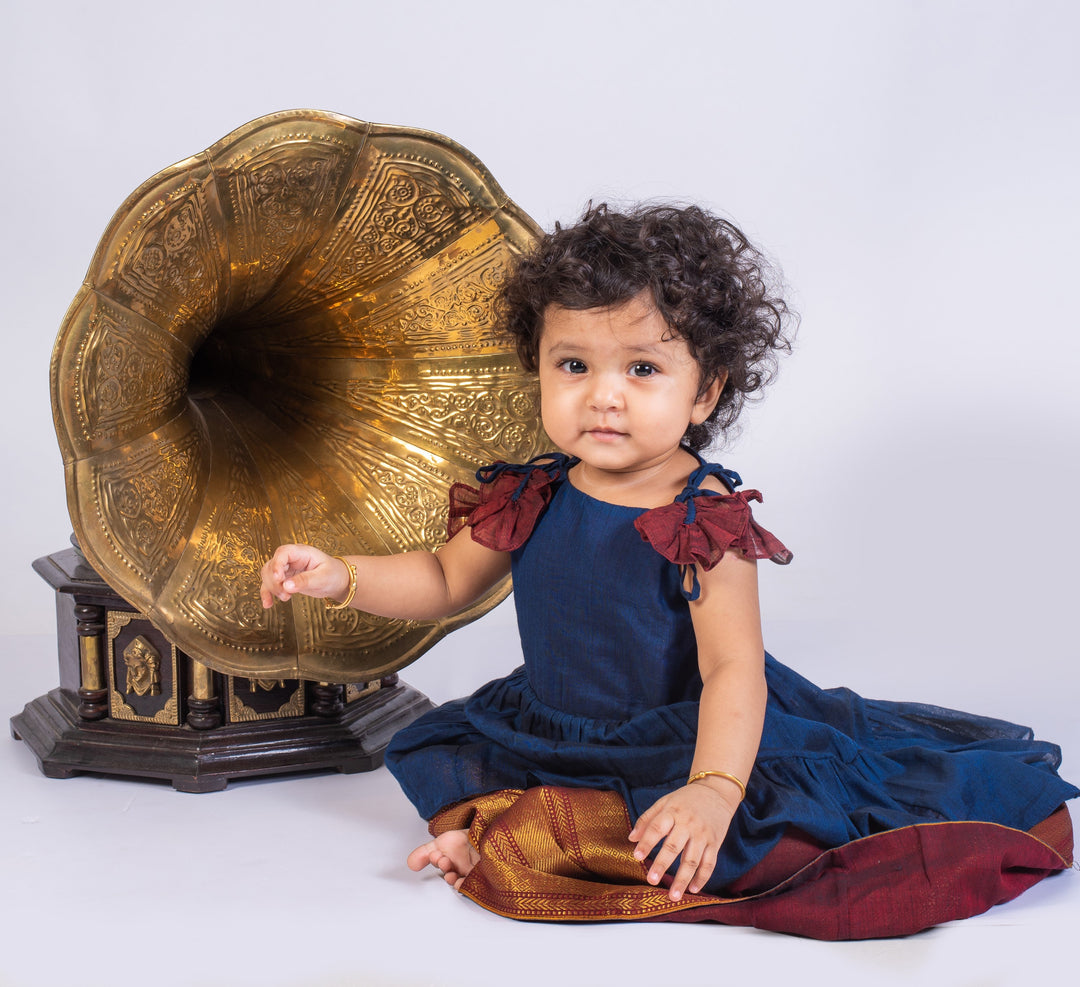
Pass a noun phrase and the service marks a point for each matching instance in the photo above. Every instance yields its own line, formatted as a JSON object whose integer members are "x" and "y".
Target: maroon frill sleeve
{"x": 699, "y": 530}
{"x": 463, "y": 501}
{"x": 504, "y": 511}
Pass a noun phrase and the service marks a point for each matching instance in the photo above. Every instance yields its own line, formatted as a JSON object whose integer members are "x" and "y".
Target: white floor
{"x": 301, "y": 882}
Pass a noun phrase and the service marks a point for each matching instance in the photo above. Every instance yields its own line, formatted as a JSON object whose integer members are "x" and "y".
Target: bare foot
{"x": 450, "y": 852}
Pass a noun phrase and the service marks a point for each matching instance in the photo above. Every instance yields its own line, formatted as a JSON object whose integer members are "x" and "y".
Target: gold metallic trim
{"x": 357, "y": 690}
{"x": 239, "y": 712}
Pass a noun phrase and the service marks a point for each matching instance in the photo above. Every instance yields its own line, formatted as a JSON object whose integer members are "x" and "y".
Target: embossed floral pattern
{"x": 286, "y": 194}
{"x": 441, "y": 318}
{"x": 143, "y": 505}
{"x": 126, "y": 376}
{"x": 170, "y": 258}
{"x": 413, "y": 204}
{"x": 422, "y": 507}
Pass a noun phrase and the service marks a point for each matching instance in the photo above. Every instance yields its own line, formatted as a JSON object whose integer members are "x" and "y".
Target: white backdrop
{"x": 911, "y": 166}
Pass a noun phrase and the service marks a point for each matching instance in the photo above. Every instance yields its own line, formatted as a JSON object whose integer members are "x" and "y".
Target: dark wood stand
{"x": 131, "y": 703}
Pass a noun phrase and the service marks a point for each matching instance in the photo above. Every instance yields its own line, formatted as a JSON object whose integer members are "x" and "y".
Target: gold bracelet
{"x": 720, "y": 774}
{"x": 352, "y": 587}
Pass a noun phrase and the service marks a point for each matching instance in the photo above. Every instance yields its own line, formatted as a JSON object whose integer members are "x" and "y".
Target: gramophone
{"x": 289, "y": 337}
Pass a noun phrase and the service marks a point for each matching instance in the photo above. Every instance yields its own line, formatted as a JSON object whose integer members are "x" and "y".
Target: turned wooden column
{"x": 204, "y": 709}
{"x": 93, "y": 692}
{"x": 329, "y": 699}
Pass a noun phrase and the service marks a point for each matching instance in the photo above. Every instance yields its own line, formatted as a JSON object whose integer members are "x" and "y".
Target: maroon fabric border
{"x": 556, "y": 854}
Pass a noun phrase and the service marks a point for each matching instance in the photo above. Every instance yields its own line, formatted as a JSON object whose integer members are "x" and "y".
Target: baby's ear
{"x": 706, "y": 400}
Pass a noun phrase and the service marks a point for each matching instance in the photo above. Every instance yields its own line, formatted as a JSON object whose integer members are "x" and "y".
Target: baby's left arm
{"x": 693, "y": 820}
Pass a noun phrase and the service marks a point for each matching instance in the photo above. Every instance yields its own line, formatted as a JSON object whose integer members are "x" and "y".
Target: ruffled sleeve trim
{"x": 696, "y": 531}
{"x": 510, "y": 500}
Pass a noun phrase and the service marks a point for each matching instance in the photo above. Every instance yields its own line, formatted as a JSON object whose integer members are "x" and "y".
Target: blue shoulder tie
{"x": 557, "y": 464}
{"x": 692, "y": 490}
{"x": 729, "y": 478}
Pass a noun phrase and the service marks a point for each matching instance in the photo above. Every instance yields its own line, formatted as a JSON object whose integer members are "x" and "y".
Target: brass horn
{"x": 289, "y": 337}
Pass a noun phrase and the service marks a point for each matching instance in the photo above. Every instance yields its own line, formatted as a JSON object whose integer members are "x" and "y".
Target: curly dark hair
{"x": 710, "y": 284}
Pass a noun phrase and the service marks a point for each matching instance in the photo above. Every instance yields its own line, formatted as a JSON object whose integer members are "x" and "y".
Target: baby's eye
{"x": 573, "y": 366}
{"x": 642, "y": 370}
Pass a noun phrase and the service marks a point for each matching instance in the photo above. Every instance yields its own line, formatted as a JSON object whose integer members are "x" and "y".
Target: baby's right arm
{"x": 412, "y": 586}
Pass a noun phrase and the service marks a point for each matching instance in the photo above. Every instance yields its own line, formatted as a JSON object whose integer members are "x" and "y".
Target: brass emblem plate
{"x": 143, "y": 671}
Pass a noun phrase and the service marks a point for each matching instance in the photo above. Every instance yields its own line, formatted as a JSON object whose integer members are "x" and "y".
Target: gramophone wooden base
{"x": 131, "y": 703}
{"x": 205, "y": 760}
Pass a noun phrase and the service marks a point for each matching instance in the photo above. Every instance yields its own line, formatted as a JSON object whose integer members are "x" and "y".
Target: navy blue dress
{"x": 608, "y": 699}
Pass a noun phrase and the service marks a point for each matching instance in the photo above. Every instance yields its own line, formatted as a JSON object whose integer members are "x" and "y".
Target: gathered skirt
{"x": 833, "y": 770}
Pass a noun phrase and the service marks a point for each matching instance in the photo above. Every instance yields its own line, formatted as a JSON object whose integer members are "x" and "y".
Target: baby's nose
{"x": 606, "y": 393}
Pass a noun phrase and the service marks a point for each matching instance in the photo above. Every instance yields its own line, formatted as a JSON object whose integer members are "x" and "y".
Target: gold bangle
{"x": 352, "y": 587}
{"x": 719, "y": 774}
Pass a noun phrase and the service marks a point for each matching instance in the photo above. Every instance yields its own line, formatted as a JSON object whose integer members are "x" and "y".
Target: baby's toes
{"x": 422, "y": 856}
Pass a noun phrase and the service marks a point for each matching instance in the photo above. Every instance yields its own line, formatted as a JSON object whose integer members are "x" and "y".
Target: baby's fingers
{"x": 695, "y": 869}
{"x": 657, "y": 832}
{"x": 652, "y": 826}
{"x": 272, "y": 576}
{"x": 670, "y": 848}
{"x": 284, "y": 573}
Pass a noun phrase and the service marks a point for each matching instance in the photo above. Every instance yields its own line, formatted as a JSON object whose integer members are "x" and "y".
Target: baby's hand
{"x": 691, "y": 821}
{"x": 302, "y": 569}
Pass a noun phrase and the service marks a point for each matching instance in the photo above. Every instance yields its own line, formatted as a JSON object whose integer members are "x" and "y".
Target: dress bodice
{"x": 605, "y": 629}
{"x": 602, "y": 590}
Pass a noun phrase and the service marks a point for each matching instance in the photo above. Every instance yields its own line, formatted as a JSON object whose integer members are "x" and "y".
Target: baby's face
{"x": 617, "y": 388}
